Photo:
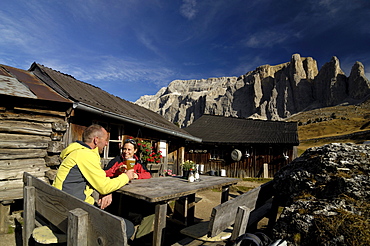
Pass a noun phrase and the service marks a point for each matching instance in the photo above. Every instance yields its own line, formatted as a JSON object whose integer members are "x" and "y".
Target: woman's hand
{"x": 122, "y": 168}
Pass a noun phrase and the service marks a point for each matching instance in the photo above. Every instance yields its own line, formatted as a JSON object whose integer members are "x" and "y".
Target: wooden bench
{"x": 82, "y": 223}
{"x": 231, "y": 219}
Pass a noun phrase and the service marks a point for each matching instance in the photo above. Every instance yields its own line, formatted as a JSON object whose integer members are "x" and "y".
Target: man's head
{"x": 95, "y": 136}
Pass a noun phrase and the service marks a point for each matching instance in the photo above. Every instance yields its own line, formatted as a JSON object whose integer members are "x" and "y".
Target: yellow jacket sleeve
{"x": 90, "y": 167}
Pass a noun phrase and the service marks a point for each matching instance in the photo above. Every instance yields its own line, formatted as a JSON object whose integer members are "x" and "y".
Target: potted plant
{"x": 148, "y": 153}
{"x": 187, "y": 167}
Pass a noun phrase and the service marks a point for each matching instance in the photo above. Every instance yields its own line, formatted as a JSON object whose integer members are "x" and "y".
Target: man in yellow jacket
{"x": 80, "y": 172}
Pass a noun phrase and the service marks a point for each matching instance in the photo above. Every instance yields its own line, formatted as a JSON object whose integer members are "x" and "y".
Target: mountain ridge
{"x": 269, "y": 92}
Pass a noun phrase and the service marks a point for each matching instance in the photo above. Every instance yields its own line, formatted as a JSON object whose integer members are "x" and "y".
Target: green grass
{"x": 240, "y": 188}
{"x": 10, "y": 230}
{"x": 258, "y": 180}
{"x": 244, "y": 189}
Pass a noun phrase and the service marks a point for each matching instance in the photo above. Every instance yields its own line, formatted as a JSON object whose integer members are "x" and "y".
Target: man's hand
{"x": 130, "y": 174}
{"x": 105, "y": 201}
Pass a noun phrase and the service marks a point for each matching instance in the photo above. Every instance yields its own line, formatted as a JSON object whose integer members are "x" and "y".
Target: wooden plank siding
{"x": 246, "y": 167}
{"x": 260, "y": 142}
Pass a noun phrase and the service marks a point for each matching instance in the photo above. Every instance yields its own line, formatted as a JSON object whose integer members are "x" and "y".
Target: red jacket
{"x": 112, "y": 169}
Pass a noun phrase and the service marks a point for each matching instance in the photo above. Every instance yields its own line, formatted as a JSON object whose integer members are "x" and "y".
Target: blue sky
{"x": 132, "y": 48}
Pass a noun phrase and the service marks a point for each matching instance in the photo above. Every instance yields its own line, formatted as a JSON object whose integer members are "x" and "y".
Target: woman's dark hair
{"x": 131, "y": 141}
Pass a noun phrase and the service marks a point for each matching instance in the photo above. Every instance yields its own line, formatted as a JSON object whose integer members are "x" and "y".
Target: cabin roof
{"x": 22, "y": 83}
{"x": 220, "y": 129}
{"x": 89, "y": 97}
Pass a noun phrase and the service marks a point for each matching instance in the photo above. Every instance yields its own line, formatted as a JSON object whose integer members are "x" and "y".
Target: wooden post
{"x": 184, "y": 209}
{"x": 78, "y": 220}
{"x": 241, "y": 222}
{"x": 265, "y": 170}
{"x": 29, "y": 208}
{"x": 225, "y": 193}
{"x": 4, "y": 212}
{"x": 181, "y": 158}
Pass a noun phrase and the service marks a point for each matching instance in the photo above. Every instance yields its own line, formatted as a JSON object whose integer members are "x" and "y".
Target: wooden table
{"x": 163, "y": 189}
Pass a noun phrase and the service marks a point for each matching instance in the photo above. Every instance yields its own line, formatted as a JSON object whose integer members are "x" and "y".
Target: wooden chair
{"x": 79, "y": 223}
{"x": 231, "y": 219}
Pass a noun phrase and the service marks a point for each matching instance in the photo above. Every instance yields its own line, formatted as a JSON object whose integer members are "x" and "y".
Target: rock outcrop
{"x": 268, "y": 92}
{"x": 325, "y": 193}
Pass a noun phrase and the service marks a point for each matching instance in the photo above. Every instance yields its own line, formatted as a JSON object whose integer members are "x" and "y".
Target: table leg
{"x": 185, "y": 209}
{"x": 225, "y": 193}
{"x": 190, "y": 210}
{"x": 159, "y": 223}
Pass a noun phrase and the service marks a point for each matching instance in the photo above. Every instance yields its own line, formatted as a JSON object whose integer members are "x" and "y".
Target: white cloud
{"x": 266, "y": 39}
{"x": 148, "y": 43}
{"x": 188, "y": 9}
{"x": 107, "y": 68}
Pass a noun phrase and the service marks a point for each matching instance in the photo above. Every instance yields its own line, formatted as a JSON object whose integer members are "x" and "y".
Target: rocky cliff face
{"x": 268, "y": 92}
{"x": 325, "y": 194}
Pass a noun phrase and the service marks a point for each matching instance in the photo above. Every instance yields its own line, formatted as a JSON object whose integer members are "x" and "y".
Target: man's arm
{"x": 96, "y": 176}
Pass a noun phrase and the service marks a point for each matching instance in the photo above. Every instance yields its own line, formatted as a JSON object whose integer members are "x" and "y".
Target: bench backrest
{"x": 59, "y": 208}
{"x": 258, "y": 201}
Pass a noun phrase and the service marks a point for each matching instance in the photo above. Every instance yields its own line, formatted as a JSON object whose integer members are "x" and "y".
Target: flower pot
{"x": 185, "y": 174}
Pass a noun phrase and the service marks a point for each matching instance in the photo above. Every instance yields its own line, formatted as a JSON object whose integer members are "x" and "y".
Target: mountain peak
{"x": 268, "y": 92}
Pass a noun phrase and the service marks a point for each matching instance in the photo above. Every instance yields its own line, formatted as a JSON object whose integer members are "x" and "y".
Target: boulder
{"x": 325, "y": 194}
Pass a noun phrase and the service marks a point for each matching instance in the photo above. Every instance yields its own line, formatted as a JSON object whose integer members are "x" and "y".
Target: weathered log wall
{"x": 30, "y": 141}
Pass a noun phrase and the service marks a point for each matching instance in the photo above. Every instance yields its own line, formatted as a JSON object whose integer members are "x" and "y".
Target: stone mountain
{"x": 268, "y": 92}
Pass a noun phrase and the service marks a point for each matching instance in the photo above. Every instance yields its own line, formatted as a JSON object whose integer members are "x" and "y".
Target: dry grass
{"x": 355, "y": 228}
{"x": 318, "y": 127}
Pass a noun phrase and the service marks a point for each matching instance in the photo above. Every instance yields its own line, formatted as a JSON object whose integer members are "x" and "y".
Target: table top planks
{"x": 163, "y": 189}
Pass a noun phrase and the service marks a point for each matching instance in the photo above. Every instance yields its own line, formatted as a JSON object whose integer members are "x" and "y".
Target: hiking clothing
{"x": 80, "y": 173}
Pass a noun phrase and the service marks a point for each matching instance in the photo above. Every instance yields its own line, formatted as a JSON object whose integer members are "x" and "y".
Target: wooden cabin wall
{"x": 251, "y": 166}
{"x": 30, "y": 141}
{"x": 119, "y": 131}
{"x": 175, "y": 157}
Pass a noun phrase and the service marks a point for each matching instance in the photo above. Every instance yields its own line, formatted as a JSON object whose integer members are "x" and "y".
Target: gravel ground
{"x": 210, "y": 199}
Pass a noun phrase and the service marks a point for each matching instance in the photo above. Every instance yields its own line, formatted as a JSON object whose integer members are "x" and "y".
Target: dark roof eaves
{"x": 87, "y": 107}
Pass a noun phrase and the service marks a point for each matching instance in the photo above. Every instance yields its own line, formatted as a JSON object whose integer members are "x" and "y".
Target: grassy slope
{"x": 341, "y": 120}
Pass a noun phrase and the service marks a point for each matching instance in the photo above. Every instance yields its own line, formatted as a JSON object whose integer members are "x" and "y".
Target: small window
{"x": 115, "y": 141}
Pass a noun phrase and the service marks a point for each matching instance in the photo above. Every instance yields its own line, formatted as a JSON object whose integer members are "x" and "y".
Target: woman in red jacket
{"x": 139, "y": 212}
{"x": 115, "y": 166}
